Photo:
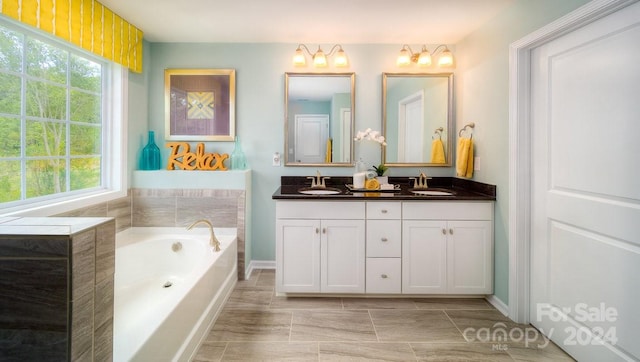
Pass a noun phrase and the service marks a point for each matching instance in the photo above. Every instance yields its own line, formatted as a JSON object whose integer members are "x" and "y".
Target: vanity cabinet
{"x": 447, "y": 248}
{"x": 320, "y": 247}
{"x": 384, "y": 247}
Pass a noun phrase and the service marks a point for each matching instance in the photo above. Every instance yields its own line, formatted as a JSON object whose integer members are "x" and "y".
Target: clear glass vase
{"x": 150, "y": 158}
{"x": 238, "y": 159}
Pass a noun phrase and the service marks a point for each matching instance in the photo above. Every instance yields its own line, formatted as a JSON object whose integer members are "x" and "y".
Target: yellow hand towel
{"x": 464, "y": 162}
{"x": 327, "y": 157}
{"x": 437, "y": 151}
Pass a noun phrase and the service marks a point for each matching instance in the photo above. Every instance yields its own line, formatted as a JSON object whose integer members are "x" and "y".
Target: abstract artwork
{"x": 200, "y": 104}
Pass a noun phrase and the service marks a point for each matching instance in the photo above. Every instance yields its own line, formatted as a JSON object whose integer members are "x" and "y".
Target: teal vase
{"x": 150, "y": 158}
{"x": 238, "y": 160}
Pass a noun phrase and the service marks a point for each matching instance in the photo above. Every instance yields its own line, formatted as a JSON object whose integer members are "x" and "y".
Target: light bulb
{"x": 404, "y": 58}
{"x": 319, "y": 59}
{"x": 341, "y": 59}
{"x": 299, "y": 60}
{"x": 446, "y": 59}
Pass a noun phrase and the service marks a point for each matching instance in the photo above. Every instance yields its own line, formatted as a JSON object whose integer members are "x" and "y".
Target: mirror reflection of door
{"x": 343, "y": 150}
{"x": 311, "y": 134}
{"x": 411, "y": 128}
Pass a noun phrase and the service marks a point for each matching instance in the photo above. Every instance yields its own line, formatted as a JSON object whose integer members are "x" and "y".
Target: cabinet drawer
{"x": 384, "y": 210}
{"x": 320, "y": 210}
{"x": 384, "y": 238}
{"x": 383, "y": 275}
{"x": 449, "y": 210}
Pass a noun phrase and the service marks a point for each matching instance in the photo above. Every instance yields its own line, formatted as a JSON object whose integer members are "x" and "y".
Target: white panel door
{"x": 585, "y": 237}
{"x": 312, "y": 132}
{"x": 342, "y": 256}
{"x": 411, "y": 128}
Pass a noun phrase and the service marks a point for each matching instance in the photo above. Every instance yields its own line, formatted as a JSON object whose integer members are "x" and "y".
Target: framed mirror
{"x": 319, "y": 119}
{"x": 417, "y": 111}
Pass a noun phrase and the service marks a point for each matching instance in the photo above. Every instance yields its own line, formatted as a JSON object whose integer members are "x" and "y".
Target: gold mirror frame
{"x": 200, "y": 104}
{"x": 429, "y": 128}
{"x": 340, "y": 139}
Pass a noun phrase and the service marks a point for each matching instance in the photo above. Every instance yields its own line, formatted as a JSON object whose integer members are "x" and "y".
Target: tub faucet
{"x": 215, "y": 243}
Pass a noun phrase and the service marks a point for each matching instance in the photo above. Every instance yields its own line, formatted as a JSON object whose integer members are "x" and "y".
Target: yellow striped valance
{"x": 85, "y": 23}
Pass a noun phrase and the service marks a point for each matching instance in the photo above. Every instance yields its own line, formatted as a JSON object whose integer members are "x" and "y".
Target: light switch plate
{"x": 276, "y": 159}
{"x": 476, "y": 163}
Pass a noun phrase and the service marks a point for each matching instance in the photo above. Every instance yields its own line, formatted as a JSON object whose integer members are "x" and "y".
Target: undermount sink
{"x": 319, "y": 191}
{"x": 433, "y": 192}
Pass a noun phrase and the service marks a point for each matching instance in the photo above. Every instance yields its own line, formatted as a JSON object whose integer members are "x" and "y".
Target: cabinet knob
{"x": 383, "y": 211}
{"x": 384, "y": 240}
{"x": 317, "y": 231}
{"x": 324, "y": 230}
{"x": 444, "y": 232}
{"x": 451, "y": 231}
{"x": 384, "y": 276}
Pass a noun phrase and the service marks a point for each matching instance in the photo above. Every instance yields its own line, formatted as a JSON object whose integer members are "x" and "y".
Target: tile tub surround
{"x": 181, "y": 207}
{"x": 47, "y": 312}
{"x": 257, "y": 325}
{"x": 119, "y": 209}
{"x": 177, "y": 207}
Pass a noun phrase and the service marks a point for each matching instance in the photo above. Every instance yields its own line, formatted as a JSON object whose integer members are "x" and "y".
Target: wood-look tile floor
{"x": 257, "y": 325}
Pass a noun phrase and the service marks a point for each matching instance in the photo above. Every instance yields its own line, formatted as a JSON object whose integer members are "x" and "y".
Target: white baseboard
{"x": 499, "y": 304}
{"x": 259, "y": 264}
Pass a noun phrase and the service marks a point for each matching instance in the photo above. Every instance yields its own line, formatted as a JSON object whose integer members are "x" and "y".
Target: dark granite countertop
{"x": 464, "y": 190}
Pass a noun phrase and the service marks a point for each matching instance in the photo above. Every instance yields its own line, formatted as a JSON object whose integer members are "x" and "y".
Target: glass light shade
{"x": 340, "y": 59}
{"x": 299, "y": 59}
{"x": 319, "y": 59}
{"x": 446, "y": 59}
{"x": 404, "y": 58}
{"x": 425, "y": 58}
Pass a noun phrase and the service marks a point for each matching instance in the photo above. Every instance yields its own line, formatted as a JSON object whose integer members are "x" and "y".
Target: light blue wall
{"x": 482, "y": 91}
{"x": 481, "y": 86}
{"x": 260, "y": 72}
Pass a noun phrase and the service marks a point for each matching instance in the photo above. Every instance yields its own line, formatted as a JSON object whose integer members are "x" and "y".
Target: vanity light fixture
{"x": 423, "y": 58}
{"x": 319, "y": 57}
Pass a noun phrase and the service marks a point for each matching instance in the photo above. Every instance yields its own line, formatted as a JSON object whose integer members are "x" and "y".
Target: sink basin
{"x": 433, "y": 192}
{"x": 315, "y": 191}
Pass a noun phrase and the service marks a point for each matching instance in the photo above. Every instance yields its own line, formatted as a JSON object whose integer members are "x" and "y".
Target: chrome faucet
{"x": 213, "y": 241}
{"x": 421, "y": 181}
{"x": 317, "y": 181}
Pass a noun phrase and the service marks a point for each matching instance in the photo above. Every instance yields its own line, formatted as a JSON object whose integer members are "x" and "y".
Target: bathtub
{"x": 169, "y": 288}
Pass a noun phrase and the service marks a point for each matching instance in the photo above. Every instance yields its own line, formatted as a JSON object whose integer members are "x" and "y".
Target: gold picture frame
{"x": 199, "y": 104}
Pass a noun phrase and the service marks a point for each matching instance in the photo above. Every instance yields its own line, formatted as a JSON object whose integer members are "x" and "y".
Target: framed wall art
{"x": 200, "y": 104}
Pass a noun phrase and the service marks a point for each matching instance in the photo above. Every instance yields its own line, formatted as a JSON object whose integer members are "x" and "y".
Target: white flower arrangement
{"x": 370, "y": 135}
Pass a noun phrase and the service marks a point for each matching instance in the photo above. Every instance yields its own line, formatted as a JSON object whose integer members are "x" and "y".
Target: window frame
{"x": 114, "y": 137}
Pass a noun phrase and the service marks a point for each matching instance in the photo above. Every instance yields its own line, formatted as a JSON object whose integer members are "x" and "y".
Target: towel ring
{"x": 469, "y": 125}
{"x": 437, "y": 132}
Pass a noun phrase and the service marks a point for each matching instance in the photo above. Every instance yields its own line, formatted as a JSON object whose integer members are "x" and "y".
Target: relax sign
{"x": 181, "y": 157}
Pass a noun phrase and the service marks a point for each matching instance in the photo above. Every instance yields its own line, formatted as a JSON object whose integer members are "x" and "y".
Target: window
{"x": 56, "y": 140}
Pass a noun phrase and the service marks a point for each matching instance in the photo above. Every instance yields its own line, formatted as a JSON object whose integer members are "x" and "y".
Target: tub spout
{"x": 213, "y": 240}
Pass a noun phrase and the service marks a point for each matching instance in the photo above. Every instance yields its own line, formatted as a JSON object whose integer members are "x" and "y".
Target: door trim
{"x": 520, "y": 147}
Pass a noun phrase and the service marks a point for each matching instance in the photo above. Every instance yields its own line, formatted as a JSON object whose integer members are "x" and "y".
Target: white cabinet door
{"x": 424, "y": 256}
{"x": 342, "y": 256}
{"x": 297, "y": 256}
{"x": 469, "y": 257}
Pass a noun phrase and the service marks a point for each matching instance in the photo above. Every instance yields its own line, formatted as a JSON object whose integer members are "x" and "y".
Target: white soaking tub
{"x": 169, "y": 288}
